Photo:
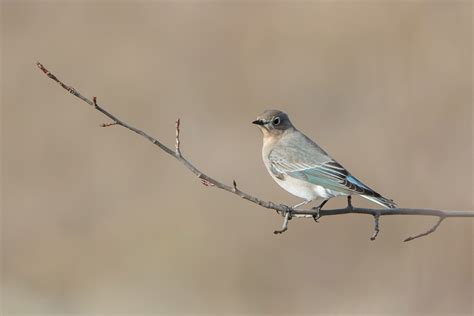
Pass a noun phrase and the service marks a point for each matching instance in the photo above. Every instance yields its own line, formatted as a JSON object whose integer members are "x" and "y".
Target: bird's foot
{"x": 318, "y": 208}
{"x": 317, "y": 216}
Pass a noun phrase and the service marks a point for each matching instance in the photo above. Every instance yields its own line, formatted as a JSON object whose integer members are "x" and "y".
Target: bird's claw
{"x": 317, "y": 216}
{"x": 318, "y": 208}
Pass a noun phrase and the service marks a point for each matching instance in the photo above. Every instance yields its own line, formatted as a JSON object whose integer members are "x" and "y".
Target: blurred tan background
{"x": 100, "y": 222}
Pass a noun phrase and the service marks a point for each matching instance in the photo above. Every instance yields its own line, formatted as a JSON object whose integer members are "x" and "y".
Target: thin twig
{"x": 349, "y": 202}
{"x": 284, "y": 227}
{"x": 429, "y": 231}
{"x": 108, "y": 124}
{"x": 376, "y": 226}
{"x": 280, "y": 208}
{"x": 94, "y": 101}
{"x": 234, "y": 184}
{"x": 178, "y": 141}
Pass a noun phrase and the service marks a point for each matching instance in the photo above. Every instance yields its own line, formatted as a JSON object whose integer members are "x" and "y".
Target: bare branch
{"x": 285, "y": 210}
{"x": 429, "y": 231}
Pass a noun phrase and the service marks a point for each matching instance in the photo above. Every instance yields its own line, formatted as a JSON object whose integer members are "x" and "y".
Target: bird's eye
{"x": 276, "y": 121}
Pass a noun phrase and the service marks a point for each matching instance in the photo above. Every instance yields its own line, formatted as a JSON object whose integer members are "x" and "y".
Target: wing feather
{"x": 329, "y": 174}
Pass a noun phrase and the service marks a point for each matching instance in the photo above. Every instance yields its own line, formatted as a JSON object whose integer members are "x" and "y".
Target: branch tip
{"x": 40, "y": 66}
{"x": 178, "y": 142}
{"x": 108, "y": 124}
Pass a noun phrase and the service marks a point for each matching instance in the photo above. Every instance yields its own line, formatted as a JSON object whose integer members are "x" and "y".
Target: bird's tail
{"x": 381, "y": 201}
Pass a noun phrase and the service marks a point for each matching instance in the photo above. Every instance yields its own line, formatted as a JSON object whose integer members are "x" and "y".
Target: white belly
{"x": 305, "y": 190}
{"x": 300, "y": 188}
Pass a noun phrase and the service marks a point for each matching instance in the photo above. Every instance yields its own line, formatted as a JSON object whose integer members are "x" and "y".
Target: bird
{"x": 303, "y": 168}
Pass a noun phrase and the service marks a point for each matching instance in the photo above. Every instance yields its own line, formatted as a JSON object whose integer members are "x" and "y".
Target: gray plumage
{"x": 303, "y": 168}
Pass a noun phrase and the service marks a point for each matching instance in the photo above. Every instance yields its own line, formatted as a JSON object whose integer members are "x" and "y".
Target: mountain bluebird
{"x": 303, "y": 168}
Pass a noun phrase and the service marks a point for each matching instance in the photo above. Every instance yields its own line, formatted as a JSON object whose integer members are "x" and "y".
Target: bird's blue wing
{"x": 299, "y": 157}
{"x": 329, "y": 174}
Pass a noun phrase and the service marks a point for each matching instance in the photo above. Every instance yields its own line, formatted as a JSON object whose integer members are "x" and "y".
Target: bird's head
{"x": 273, "y": 122}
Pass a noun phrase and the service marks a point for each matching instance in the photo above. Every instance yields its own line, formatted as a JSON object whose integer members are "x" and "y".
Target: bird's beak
{"x": 259, "y": 122}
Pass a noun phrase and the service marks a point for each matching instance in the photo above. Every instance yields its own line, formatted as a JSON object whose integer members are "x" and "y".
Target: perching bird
{"x": 303, "y": 168}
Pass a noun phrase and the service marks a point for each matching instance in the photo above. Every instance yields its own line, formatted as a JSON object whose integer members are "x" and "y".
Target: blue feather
{"x": 356, "y": 182}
